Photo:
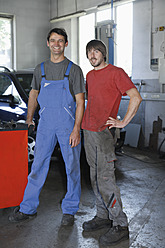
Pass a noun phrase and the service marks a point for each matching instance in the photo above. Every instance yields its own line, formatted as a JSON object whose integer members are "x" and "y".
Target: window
{"x": 7, "y": 87}
{"x": 104, "y": 15}
{"x": 25, "y": 80}
{"x": 124, "y": 19}
{"x": 87, "y": 33}
{"x": 5, "y": 84}
{"x": 6, "y": 41}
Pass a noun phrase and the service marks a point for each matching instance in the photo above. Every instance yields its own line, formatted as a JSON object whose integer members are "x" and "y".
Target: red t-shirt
{"x": 105, "y": 88}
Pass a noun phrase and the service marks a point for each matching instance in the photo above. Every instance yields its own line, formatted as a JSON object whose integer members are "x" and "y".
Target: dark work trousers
{"x": 100, "y": 154}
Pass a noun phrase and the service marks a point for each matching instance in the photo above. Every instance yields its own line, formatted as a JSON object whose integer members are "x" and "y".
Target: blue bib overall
{"x": 57, "y": 116}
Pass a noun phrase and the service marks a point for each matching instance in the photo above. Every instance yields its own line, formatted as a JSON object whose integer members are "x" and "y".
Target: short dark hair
{"x": 98, "y": 45}
{"x": 59, "y": 31}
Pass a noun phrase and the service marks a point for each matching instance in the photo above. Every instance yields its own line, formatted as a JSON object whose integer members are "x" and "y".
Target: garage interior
{"x": 140, "y": 165}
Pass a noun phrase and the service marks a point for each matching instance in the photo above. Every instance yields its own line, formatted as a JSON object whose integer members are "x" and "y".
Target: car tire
{"x": 31, "y": 146}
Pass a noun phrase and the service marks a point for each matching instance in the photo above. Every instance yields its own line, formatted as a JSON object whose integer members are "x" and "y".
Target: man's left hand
{"x": 114, "y": 123}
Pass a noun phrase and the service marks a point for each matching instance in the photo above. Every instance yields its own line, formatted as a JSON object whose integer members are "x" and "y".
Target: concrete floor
{"x": 141, "y": 178}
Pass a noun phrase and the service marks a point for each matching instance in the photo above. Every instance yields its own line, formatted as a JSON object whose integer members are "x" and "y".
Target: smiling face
{"x": 57, "y": 46}
{"x": 96, "y": 58}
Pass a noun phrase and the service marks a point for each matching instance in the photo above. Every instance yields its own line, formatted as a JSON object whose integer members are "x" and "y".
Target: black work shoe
{"x": 18, "y": 216}
{"x": 67, "y": 220}
{"x": 115, "y": 235}
{"x": 96, "y": 223}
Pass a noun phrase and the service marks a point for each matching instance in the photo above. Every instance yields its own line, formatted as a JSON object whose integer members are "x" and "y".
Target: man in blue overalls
{"x": 58, "y": 87}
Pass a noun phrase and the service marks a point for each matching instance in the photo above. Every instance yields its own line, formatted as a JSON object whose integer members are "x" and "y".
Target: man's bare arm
{"x": 134, "y": 102}
{"x": 74, "y": 139}
{"x": 32, "y": 105}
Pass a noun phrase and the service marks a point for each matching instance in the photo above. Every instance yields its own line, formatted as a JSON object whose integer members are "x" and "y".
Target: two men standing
{"x": 58, "y": 87}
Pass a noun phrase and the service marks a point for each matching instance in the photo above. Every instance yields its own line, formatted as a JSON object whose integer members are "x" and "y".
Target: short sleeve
{"x": 77, "y": 80}
{"x": 123, "y": 82}
{"x": 36, "y": 81}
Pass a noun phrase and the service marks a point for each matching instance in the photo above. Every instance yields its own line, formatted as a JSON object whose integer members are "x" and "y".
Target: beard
{"x": 96, "y": 62}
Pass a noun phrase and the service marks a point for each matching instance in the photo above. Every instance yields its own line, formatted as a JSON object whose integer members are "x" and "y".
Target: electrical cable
{"x": 148, "y": 162}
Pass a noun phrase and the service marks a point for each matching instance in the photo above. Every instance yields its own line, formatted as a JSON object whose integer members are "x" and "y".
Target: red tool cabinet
{"x": 13, "y": 166}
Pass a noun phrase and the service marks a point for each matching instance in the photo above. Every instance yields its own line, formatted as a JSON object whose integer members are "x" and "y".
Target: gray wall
{"x": 31, "y": 21}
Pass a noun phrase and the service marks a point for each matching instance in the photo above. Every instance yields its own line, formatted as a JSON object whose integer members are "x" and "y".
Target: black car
{"x": 14, "y": 91}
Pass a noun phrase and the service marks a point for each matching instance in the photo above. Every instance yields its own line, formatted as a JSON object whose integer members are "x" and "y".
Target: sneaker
{"x": 96, "y": 223}
{"x": 67, "y": 220}
{"x": 115, "y": 235}
{"x": 18, "y": 216}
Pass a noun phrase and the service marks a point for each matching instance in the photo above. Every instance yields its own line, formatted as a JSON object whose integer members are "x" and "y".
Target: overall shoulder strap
{"x": 42, "y": 70}
{"x": 68, "y": 69}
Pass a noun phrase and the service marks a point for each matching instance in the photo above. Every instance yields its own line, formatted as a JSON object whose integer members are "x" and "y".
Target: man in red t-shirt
{"x": 105, "y": 86}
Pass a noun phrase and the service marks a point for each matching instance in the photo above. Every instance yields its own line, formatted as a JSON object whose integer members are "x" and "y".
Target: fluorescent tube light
{"x": 104, "y": 6}
{"x": 115, "y": 3}
{"x": 69, "y": 16}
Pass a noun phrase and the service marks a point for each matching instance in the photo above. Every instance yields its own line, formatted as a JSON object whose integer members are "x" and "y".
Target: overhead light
{"x": 69, "y": 16}
{"x": 104, "y": 6}
{"x": 116, "y": 3}
{"x": 120, "y": 2}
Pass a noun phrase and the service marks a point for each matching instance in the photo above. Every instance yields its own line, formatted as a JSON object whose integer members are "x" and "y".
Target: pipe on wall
{"x": 111, "y": 41}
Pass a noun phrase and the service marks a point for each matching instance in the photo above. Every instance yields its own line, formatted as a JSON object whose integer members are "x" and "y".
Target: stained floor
{"x": 141, "y": 178}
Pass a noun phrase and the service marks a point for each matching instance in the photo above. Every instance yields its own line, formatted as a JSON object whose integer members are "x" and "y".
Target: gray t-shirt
{"x": 56, "y": 71}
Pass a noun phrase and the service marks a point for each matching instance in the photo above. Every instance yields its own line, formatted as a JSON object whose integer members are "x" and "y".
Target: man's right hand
{"x": 32, "y": 105}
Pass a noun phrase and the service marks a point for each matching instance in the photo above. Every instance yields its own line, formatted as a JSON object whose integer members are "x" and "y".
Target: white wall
{"x": 31, "y": 28}
{"x": 144, "y": 25}
{"x": 141, "y": 41}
